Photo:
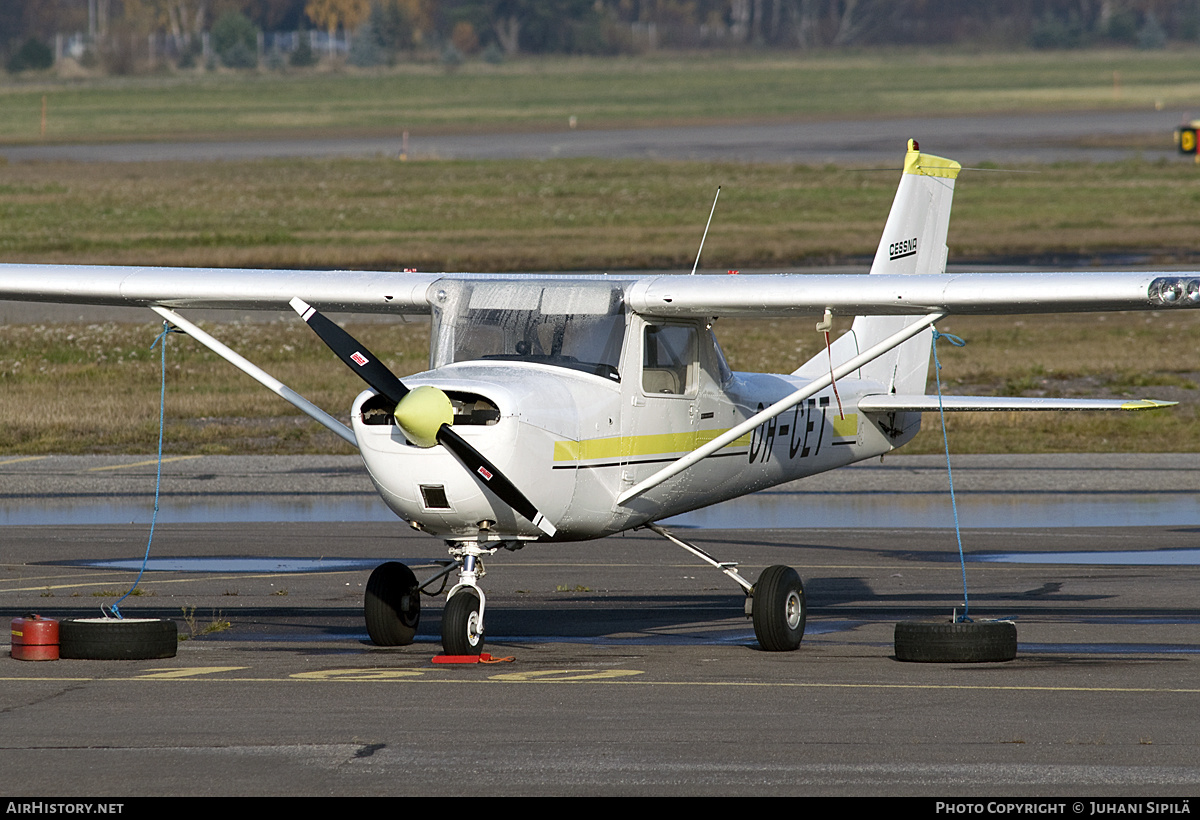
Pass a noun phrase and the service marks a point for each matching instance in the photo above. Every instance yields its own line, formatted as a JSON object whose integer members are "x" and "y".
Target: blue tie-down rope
{"x": 937, "y": 374}
{"x": 162, "y": 404}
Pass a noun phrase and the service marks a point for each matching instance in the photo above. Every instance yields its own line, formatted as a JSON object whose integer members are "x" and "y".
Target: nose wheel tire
{"x": 462, "y": 629}
{"x": 779, "y": 610}
{"x": 392, "y": 606}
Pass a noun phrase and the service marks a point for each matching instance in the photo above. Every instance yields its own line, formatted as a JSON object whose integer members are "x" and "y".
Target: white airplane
{"x": 571, "y": 407}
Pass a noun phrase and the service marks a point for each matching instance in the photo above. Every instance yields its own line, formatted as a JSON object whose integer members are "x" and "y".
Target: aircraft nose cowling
{"x": 428, "y": 485}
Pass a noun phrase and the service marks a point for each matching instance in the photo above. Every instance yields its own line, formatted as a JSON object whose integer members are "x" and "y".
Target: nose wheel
{"x": 462, "y": 619}
{"x": 462, "y": 624}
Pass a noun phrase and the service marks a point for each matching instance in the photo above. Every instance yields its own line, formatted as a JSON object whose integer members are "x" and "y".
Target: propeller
{"x": 424, "y": 414}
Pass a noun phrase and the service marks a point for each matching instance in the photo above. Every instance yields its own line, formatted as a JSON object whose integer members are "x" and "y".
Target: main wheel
{"x": 462, "y": 630}
{"x": 779, "y": 610}
{"x": 392, "y": 606}
{"x": 982, "y": 642}
{"x": 110, "y": 639}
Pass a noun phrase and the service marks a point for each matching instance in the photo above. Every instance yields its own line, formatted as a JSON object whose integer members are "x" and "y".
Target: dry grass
{"x": 564, "y": 214}
{"x": 68, "y": 389}
{"x": 541, "y": 93}
{"x": 71, "y": 389}
{"x": 1122, "y": 355}
{"x": 78, "y": 388}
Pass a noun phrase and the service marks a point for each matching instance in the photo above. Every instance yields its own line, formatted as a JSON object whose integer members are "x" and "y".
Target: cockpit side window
{"x": 669, "y": 360}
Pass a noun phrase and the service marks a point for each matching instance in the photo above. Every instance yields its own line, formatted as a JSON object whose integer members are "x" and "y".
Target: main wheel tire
{"x": 981, "y": 642}
{"x": 392, "y": 605}
{"x": 461, "y": 628}
{"x": 779, "y": 609}
{"x": 110, "y": 639}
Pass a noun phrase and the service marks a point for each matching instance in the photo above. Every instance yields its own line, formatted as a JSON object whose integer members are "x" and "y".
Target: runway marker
{"x": 186, "y": 672}
{"x": 617, "y": 677}
{"x": 358, "y": 674}
{"x": 555, "y": 675}
{"x": 139, "y": 463}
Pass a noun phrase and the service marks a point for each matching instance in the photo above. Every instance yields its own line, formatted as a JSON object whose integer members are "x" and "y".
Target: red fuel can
{"x": 35, "y": 638}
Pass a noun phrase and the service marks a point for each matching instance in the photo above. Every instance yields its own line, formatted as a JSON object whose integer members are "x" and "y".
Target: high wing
{"x": 751, "y": 295}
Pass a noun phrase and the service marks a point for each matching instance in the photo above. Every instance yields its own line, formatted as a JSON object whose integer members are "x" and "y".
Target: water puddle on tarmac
{"x": 232, "y": 564}
{"x": 765, "y": 510}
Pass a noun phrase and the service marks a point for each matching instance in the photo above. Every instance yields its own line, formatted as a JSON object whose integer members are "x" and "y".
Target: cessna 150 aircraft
{"x": 568, "y": 408}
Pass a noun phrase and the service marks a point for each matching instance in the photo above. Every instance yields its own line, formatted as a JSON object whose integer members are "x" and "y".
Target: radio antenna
{"x": 706, "y": 224}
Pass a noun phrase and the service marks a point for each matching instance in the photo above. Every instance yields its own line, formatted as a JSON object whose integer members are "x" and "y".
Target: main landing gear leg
{"x": 776, "y": 602}
{"x": 462, "y": 619}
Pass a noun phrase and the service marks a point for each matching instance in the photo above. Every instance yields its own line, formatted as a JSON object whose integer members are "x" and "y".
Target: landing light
{"x": 1170, "y": 290}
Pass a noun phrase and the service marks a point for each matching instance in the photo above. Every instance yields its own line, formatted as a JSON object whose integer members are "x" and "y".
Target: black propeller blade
{"x": 362, "y": 361}
{"x": 378, "y": 376}
{"x": 495, "y": 480}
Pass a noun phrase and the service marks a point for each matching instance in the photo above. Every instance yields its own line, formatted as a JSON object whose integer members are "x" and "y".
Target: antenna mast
{"x": 709, "y": 222}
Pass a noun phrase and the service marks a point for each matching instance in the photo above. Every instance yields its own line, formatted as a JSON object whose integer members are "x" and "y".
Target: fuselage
{"x": 573, "y": 440}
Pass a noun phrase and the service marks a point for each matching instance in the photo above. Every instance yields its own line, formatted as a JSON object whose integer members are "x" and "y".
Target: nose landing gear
{"x": 462, "y": 619}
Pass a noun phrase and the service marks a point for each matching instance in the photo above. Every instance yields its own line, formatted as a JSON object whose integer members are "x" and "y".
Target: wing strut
{"x": 786, "y": 403}
{"x": 258, "y": 374}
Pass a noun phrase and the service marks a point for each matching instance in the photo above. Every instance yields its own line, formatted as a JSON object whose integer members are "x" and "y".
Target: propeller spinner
{"x": 424, "y": 414}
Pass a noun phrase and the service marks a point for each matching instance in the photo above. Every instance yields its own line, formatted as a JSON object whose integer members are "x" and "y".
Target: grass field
{"x": 75, "y": 388}
{"x": 580, "y": 214}
{"x": 600, "y": 93}
{"x": 94, "y": 388}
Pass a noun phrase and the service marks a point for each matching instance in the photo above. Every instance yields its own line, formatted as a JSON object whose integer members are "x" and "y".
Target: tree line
{"x": 387, "y": 30}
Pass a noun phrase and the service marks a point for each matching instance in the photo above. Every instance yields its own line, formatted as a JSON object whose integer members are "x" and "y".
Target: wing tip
{"x": 1147, "y": 404}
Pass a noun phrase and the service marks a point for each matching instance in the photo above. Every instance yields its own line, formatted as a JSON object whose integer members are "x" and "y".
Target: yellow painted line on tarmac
{"x": 186, "y": 672}
{"x": 189, "y": 578}
{"x": 359, "y": 675}
{"x": 618, "y": 677}
{"x": 139, "y": 463}
{"x": 556, "y": 675}
{"x": 19, "y": 460}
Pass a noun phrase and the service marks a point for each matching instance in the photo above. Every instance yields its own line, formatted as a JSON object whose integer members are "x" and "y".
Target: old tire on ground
{"x": 981, "y": 642}
{"x": 461, "y": 632}
{"x": 110, "y": 639}
{"x": 779, "y": 609}
{"x": 392, "y": 605}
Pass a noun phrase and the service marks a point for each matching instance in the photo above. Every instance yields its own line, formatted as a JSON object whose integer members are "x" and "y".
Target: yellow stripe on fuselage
{"x": 847, "y": 427}
{"x": 630, "y": 446}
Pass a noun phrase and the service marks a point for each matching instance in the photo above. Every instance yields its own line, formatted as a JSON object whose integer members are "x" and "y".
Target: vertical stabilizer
{"x": 914, "y": 241}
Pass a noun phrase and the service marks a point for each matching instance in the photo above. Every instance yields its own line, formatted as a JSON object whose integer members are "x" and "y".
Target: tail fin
{"x": 914, "y": 241}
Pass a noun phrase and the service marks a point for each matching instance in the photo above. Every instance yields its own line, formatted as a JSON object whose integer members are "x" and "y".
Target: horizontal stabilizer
{"x": 929, "y": 404}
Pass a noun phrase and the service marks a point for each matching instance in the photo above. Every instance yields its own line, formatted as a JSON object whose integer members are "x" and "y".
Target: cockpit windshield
{"x": 579, "y": 325}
